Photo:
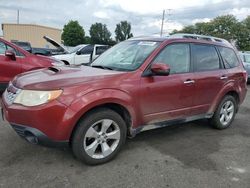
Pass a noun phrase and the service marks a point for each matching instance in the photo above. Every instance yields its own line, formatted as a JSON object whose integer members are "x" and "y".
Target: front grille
{"x": 19, "y": 130}
{"x": 11, "y": 93}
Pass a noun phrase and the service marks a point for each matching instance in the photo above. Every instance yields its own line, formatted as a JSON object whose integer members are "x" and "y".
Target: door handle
{"x": 189, "y": 81}
{"x": 223, "y": 77}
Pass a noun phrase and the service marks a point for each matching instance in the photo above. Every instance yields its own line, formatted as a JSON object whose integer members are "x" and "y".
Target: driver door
{"x": 168, "y": 97}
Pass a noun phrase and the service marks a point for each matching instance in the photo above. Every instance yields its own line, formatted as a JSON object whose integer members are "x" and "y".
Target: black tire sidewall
{"x": 84, "y": 125}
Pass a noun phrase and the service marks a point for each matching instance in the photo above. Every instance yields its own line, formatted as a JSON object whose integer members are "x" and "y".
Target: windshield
{"x": 126, "y": 56}
{"x": 75, "y": 49}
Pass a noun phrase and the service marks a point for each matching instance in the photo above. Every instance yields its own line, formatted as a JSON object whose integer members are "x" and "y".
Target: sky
{"x": 144, "y": 15}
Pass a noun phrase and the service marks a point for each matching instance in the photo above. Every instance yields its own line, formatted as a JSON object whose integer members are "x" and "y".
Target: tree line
{"x": 73, "y": 33}
{"x": 227, "y": 27}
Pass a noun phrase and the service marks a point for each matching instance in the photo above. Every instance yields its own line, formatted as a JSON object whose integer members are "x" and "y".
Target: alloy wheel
{"x": 102, "y": 138}
{"x": 227, "y": 113}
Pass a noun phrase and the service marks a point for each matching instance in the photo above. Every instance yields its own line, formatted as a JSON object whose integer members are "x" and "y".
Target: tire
{"x": 99, "y": 136}
{"x": 228, "y": 112}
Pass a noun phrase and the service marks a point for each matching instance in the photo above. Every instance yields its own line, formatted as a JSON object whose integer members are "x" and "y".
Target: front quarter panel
{"x": 102, "y": 97}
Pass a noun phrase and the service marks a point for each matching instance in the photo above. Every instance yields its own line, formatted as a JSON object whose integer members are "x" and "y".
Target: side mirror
{"x": 160, "y": 69}
{"x": 10, "y": 54}
{"x": 78, "y": 52}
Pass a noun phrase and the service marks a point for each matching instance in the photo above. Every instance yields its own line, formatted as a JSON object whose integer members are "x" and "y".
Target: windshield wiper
{"x": 102, "y": 67}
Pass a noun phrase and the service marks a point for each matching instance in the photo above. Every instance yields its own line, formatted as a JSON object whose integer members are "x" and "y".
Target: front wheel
{"x": 225, "y": 113}
{"x": 99, "y": 136}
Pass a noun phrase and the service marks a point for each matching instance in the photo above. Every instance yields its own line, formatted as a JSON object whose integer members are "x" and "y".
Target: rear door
{"x": 169, "y": 97}
{"x": 8, "y": 68}
{"x": 210, "y": 76}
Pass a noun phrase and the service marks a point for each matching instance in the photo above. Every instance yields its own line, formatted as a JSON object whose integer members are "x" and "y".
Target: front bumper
{"x": 50, "y": 124}
{"x": 35, "y": 136}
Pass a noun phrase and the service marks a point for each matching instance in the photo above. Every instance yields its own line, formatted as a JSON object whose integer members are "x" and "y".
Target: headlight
{"x": 34, "y": 98}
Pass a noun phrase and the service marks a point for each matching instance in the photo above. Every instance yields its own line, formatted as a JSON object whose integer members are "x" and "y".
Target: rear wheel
{"x": 99, "y": 136}
{"x": 225, "y": 113}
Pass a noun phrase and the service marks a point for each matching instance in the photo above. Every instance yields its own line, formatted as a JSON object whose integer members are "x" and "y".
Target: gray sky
{"x": 144, "y": 15}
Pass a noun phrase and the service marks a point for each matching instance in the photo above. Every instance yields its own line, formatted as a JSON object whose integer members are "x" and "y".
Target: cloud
{"x": 101, "y": 15}
{"x": 144, "y": 16}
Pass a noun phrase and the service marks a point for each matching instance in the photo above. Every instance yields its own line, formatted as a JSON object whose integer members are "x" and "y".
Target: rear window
{"x": 229, "y": 57}
{"x": 205, "y": 58}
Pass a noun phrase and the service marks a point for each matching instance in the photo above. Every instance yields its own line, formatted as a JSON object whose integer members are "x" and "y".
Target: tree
{"x": 123, "y": 31}
{"x": 99, "y": 34}
{"x": 227, "y": 27}
{"x": 246, "y": 22}
{"x": 73, "y": 34}
{"x": 87, "y": 40}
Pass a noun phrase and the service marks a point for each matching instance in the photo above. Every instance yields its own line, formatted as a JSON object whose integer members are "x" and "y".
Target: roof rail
{"x": 199, "y": 37}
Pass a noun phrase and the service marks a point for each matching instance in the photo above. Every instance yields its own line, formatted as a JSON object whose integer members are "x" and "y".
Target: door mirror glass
{"x": 78, "y": 52}
{"x": 10, "y": 54}
{"x": 160, "y": 69}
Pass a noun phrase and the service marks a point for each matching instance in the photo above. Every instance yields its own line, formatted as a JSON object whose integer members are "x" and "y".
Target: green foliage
{"x": 99, "y": 34}
{"x": 87, "y": 40}
{"x": 73, "y": 34}
{"x": 227, "y": 27}
{"x": 123, "y": 31}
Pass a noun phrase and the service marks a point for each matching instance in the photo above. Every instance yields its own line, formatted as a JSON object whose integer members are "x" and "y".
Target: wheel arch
{"x": 117, "y": 100}
{"x": 119, "y": 108}
{"x": 226, "y": 91}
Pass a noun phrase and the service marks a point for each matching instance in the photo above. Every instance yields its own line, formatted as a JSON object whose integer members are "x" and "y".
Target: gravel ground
{"x": 185, "y": 155}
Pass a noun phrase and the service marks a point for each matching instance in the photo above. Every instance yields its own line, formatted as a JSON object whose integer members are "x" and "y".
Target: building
{"x": 31, "y": 33}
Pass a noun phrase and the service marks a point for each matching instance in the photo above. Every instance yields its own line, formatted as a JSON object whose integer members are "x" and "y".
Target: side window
{"x": 177, "y": 56}
{"x": 229, "y": 58}
{"x": 101, "y": 49}
{"x": 2, "y": 48}
{"x": 14, "y": 50}
{"x": 87, "y": 50}
{"x": 205, "y": 58}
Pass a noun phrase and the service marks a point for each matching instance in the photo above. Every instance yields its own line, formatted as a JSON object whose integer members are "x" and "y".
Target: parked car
{"x": 15, "y": 60}
{"x": 82, "y": 54}
{"x": 42, "y": 51}
{"x": 25, "y": 45}
{"x": 59, "y": 48}
{"x": 246, "y": 62}
{"x": 137, "y": 85}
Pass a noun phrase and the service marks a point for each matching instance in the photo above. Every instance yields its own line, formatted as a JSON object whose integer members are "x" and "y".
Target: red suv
{"x": 139, "y": 84}
{"x": 15, "y": 60}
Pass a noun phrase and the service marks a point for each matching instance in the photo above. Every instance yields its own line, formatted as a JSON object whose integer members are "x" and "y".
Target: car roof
{"x": 193, "y": 38}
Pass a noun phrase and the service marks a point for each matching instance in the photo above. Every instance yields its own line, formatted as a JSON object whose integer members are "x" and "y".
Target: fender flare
{"x": 229, "y": 87}
{"x": 105, "y": 96}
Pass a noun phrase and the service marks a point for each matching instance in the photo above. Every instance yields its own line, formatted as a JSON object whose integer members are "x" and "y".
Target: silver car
{"x": 246, "y": 61}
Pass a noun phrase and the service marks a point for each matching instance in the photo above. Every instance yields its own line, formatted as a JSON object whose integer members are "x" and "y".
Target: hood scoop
{"x": 54, "y": 69}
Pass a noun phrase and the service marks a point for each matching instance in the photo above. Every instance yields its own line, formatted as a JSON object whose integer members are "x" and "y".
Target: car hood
{"x": 60, "y": 47}
{"x": 64, "y": 56}
{"x": 64, "y": 76}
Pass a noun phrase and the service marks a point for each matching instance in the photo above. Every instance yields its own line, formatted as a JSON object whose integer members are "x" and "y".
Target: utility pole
{"x": 162, "y": 21}
{"x": 17, "y": 16}
{"x": 163, "y": 17}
